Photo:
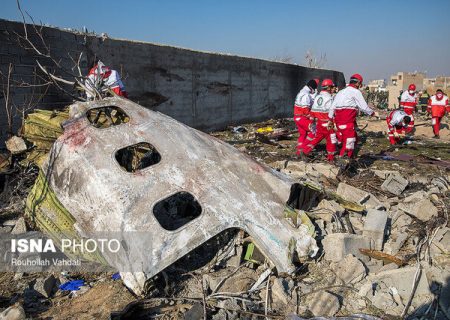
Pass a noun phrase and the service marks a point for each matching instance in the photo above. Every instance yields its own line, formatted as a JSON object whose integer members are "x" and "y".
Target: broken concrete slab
{"x": 383, "y": 174}
{"x": 419, "y": 206}
{"x": 15, "y": 312}
{"x": 20, "y": 226}
{"x": 441, "y": 183}
{"x": 301, "y": 169}
{"x": 400, "y": 279}
{"x": 350, "y": 269}
{"x": 373, "y": 203}
{"x": 395, "y": 184}
{"x": 351, "y": 193}
{"x": 280, "y": 291}
{"x": 374, "y": 227}
{"x": 179, "y": 175}
{"x": 326, "y": 209}
{"x": 338, "y": 245}
{"x": 323, "y": 304}
{"x": 16, "y": 145}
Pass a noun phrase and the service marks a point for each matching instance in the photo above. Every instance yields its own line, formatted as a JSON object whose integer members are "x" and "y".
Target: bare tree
{"x": 312, "y": 61}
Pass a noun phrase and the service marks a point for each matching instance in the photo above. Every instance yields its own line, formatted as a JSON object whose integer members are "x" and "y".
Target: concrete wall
{"x": 204, "y": 90}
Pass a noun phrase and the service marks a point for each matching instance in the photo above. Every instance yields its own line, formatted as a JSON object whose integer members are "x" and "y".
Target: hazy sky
{"x": 374, "y": 38}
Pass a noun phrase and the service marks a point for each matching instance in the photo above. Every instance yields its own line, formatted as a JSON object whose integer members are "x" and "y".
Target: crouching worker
{"x": 319, "y": 111}
{"x": 398, "y": 123}
{"x": 437, "y": 105}
{"x": 101, "y": 79}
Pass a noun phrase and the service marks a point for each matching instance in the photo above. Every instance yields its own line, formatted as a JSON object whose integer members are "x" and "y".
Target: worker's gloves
{"x": 330, "y": 125}
{"x": 376, "y": 114}
{"x": 396, "y": 135}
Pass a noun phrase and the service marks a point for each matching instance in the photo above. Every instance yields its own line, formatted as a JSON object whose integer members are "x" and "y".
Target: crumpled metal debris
{"x": 85, "y": 188}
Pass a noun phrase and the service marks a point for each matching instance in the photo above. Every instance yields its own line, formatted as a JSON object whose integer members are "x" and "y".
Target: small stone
{"x": 323, "y": 304}
{"x": 351, "y": 193}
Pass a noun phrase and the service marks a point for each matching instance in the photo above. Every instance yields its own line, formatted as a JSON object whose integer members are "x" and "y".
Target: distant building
{"x": 440, "y": 82}
{"x": 377, "y": 85}
{"x": 401, "y": 81}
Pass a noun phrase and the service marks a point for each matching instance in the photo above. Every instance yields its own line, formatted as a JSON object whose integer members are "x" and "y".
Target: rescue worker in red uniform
{"x": 398, "y": 122}
{"x": 408, "y": 102}
{"x": 103, "y": 78}
{"x": 343, "y": 112}
{"x": 319, "y": 111}
{"x": 302, "y": 117}
{"x": 437, "y": 106}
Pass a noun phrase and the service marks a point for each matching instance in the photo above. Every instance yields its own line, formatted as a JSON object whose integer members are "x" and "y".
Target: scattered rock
{"x": 16, "y": 145}
{"x": 20, "y": 227}
{"x": 419, "y": 206}
{"x": 349, "y": 270}
{"x": 323, "y": 304}
{"x": 14, "y": 312}
{"x": 351, "y": 193}
{"x": 395, "y": 184}
{"x": 374, "y": 227}
{"x": 339, "y": 245}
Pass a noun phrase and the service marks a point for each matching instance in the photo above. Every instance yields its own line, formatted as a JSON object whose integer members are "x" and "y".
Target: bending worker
{"x": 344, "y": 110}
{"x": 437, "y": 105}
{"x": 302, "y": 117}
{"x": 398, "y": 122}
{"x": 408, "y": 102}
{"x": 319, "y": 111}
{"x": 101, "y": 78}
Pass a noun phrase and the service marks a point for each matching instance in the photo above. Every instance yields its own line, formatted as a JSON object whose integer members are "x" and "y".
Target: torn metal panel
{"x": 179, "y": 172}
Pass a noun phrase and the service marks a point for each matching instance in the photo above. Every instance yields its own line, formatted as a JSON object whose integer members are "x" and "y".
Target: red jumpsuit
{"x": 395, "y": 124}
{"x": 319, "y": 110}
{"x": 302, "y": 117}
{"x": 344, "y": 110}
{"x": 408, "y": 102}
{"x": 437, "y": 107}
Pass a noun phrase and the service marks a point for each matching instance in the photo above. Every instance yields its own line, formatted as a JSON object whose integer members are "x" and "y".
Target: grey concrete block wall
{"x": 207, "y": 91}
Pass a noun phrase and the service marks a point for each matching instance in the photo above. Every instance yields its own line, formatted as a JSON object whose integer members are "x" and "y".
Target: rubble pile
{"x": 379, "y": 229}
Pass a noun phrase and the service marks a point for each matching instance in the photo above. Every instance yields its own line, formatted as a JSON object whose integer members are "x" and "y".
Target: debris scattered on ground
{"x": 380, "y": 224}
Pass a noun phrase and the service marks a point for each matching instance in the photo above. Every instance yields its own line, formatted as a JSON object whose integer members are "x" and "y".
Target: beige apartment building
{"x": 401, "y": 81}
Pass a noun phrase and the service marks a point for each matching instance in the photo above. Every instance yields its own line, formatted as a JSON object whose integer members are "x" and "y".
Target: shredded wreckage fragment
{"x": 162, "y": 189}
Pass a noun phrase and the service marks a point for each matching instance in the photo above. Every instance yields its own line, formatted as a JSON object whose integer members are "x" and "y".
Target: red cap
{"x": 412, "y": 87}
{"x": 357, "y": 77}
{"x": 327, "y": 83}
